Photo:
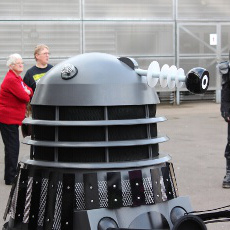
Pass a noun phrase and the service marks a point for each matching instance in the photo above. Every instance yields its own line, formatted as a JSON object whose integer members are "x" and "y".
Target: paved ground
{"x": 197, "y": 141}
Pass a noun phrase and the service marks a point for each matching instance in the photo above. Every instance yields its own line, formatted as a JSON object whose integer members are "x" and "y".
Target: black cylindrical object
{"x": 190, "y": 222}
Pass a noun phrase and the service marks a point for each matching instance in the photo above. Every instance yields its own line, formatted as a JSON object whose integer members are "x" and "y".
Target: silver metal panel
{"x": 86, "y": 95}
{"x": 10, "y": 37}
{"x": 129, "y": 38}
{"x": 128, "y": 9}
{"x": 194, "y": 39}
{"x": 94, "y": 123}
{"x": 73, "y": 144}
{"x": 203, "y": 10}
{"x": 225, "y": 40}
{"x": 39, "y": 10}
{"x": 161, "y": 158}
{"x": 63, "y": 38}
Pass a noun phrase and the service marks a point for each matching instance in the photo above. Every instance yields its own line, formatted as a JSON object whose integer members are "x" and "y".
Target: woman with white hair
{"x": 14, "y": 95}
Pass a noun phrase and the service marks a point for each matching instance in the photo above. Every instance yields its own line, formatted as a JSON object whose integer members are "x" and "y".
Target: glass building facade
{"x": 173, "y": 32}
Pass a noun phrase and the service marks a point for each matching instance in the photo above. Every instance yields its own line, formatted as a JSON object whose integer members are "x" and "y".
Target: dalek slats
{"x": 136, "y": 129}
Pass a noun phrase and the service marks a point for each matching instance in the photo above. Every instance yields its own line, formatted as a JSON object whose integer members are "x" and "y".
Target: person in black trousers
{"x": 225, "y": 112}
{"x": 14, "y": 95}
{"x": 10, "y": 137}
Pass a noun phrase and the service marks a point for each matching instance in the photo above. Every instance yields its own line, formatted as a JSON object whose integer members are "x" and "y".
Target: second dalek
{"x": 94, "y": 162}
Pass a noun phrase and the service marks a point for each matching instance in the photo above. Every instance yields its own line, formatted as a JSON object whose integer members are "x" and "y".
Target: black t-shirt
{"x": 34, "y": 74}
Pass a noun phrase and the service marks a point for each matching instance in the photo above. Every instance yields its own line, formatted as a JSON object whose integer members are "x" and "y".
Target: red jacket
{"x": 13, "y": 99}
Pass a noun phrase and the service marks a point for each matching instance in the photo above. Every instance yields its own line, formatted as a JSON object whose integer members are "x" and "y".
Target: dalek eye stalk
{"x": 94, "y": 162}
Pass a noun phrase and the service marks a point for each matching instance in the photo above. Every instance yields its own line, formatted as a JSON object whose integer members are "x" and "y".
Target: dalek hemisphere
{"x": 94, "y": 162}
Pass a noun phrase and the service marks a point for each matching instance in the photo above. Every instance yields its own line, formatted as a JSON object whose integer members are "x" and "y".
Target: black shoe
{"x": 226, "y": 181}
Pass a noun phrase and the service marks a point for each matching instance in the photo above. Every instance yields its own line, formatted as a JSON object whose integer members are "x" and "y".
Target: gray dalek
{"x": 94, "y": 162}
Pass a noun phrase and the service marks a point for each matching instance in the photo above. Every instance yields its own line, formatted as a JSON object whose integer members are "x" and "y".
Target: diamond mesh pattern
{"x": 80, "y": 196}
{"x": 14, "y": 199}
{"x": 43, "y": 197}
{"x": 103, "y": 194}
{"x": 126, "y": 193}
{"x": 148, "y": 190}
{"x": 58, "y": 207}
{"x": 28, "y": 200}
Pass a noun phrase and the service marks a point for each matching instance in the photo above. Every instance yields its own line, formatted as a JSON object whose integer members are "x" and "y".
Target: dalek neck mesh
{"x": 95, "y": 134}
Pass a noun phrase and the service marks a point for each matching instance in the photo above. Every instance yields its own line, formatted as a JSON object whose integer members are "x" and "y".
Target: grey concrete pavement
{"x": 198, "y": 137}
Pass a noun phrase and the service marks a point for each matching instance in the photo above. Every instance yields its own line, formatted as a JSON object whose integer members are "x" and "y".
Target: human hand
{"x": 27, "y": 91}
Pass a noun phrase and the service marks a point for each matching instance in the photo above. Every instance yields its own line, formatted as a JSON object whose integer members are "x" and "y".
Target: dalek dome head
{"x": 94, "y": 79}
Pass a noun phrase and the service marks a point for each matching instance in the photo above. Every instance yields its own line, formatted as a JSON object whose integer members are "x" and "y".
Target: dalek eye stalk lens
{"x": 94, "y": 161}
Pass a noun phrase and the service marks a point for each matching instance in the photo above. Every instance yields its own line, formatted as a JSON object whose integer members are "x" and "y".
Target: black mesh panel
{"x": 43, "y": 153}
{"x": 42, "y": 112}
{"x": 153, "y": 130}
{"x": 129, "y": 132}
{"x": 81, "y": 154}
{"x": 81, "y": 113}
{"x": 78, "y": 133}
{"x": 128, "y": 153}
{"x": 152, "y": 110}
{"x": 155, "y": 150}
{"x": 126, "y": 112}
{"x": 46, "y": 133}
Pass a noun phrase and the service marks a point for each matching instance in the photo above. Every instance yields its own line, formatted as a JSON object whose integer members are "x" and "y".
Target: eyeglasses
{"x": 19, "y": 63}
{"x": 44, "y": 54}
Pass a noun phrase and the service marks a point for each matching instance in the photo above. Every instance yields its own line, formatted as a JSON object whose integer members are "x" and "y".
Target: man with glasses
{"x": 35, "y": 73}
{"x": 33, "y": 76}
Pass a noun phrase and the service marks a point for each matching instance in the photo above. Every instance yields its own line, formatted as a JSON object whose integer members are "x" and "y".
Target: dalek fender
{"x": 94, "y": 162}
